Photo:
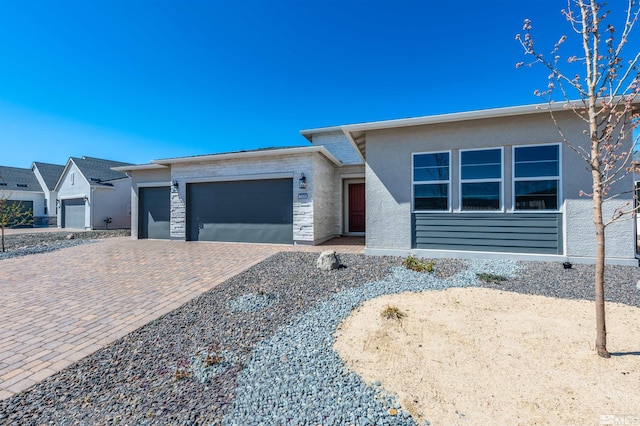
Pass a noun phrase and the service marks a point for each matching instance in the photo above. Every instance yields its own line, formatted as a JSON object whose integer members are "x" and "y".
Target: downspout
{"x": 91, "y": 212}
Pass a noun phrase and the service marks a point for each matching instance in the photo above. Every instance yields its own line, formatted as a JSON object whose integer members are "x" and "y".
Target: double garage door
{"x": 253, "y": 211}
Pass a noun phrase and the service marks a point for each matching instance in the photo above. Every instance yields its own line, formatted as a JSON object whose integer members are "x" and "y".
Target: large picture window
{"x": 536, "y": 177}
{"x": 481, "y": 180}
{"x": 431, "y": 179}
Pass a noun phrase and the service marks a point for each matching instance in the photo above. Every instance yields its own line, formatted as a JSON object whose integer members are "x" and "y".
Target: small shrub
{"x": 393, "y": 313}
{"x": 491, "y": 278}
{"x": 212, "y": 359}
{"x": 182, "y": 370}
{"x": 418, "y": 265}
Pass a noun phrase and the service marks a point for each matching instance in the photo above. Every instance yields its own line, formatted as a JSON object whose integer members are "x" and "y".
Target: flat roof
{"x": 442, "y": 118}
{"x": 251, "y": 154}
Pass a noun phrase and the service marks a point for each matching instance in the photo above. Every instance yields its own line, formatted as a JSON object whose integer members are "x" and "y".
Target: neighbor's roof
{"x": 17, "y": 179}
{"x": 50, "y": 173}
{"x": 98, "y": 170}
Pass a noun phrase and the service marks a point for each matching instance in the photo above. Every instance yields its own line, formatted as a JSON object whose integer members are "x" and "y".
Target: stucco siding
{"x": 338, "y": 144}
{"x": 49, "y": 198}
{"x": 73, "y": 185}
{"x": 37, "y": 198}
{"x": 111, "y": 202}
{"x": 619, "y": 236}
{"x": 324, "y": 206}
{"x": 389, "y": 177}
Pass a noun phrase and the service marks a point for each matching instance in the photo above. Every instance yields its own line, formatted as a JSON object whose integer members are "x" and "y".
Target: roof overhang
{"x": 356, "y": 133}
{"x": 241, "y": 155}
{"x": 133, "y": 168}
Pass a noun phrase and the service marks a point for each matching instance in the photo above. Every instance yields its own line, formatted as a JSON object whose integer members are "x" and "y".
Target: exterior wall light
{"x": 302, "y": 181}
{"x": 174, "y": 183}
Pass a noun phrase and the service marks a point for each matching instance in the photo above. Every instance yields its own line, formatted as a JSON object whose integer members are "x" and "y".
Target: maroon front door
{"x": 356, "y": 207}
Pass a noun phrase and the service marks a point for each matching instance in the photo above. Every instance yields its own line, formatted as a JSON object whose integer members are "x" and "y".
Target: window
{"x": 431, "y": 174}
{"x": 481, "y": 179}
{"x": 536, "y": 177}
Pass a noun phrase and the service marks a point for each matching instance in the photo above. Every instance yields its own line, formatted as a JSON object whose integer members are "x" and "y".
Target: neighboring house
{"x": 21, "y": 185}
{"x": 491, "y": 183}
{"x": 47, "y": 176}
{"x": 93, "y": 196}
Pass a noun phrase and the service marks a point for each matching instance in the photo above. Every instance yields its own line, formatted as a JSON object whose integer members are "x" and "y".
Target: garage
{"x": 73, "y": 213}
{"x": 252, "y": 211}
{"x": 154, "y": 213}
{"x": 25, "y": 207}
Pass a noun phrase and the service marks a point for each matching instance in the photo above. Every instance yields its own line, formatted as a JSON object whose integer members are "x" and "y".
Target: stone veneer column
{"x": 178, "y": 226}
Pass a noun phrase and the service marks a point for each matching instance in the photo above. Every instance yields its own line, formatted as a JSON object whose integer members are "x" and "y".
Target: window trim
{"x": 462, "y": 181}
{"x": 514, "y": 179}
{"x": 414, "y": 182}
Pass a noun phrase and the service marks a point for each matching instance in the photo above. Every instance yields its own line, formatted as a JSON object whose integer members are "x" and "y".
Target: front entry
{"x": 356, "y": 208}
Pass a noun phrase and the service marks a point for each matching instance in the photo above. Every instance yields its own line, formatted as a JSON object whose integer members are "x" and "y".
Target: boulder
{"x": 328, "y": 260}
{"x": 70, "y": 237}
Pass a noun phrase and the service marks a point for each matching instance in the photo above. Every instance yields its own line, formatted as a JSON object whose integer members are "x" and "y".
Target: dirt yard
{"x": 478, "y": 356}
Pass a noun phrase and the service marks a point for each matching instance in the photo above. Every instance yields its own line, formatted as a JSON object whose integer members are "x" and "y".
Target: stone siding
{"x": 291, "y": 166}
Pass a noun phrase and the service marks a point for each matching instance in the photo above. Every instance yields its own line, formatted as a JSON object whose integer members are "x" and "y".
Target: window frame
{"x": 415, "y": 182}
{"x": 514, "y": 179}
{"x": 462, "y": 181}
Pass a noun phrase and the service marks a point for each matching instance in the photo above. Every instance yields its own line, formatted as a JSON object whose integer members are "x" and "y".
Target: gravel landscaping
{"x": 41, "y": 242}
{"x": 257, "y": 349}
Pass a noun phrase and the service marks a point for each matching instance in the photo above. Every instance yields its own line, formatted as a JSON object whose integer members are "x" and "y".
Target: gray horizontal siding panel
{"x": 500, "y": 232}
{"x": 468, "y": 220}
{"x": 500, "y": 236}
{"x": 506, "y": 229}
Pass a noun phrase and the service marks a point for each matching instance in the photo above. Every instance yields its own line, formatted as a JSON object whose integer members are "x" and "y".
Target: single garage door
{"x": 154, "y": 212}
{"x": 254, "y": 211}
{"x": 73, "y": 213}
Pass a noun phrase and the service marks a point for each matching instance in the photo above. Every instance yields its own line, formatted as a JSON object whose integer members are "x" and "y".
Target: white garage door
{"x": 73, "y": 213}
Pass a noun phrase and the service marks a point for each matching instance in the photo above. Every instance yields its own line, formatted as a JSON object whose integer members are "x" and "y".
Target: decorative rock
{"x": 328, "y": 260}
{"x": 70, "y": 237}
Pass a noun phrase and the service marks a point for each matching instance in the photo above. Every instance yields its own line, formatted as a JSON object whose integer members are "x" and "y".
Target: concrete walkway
{"x": 61, "y": 306}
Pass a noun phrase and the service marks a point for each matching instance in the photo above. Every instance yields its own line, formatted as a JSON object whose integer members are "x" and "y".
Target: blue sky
{"x": 138, "y": 80}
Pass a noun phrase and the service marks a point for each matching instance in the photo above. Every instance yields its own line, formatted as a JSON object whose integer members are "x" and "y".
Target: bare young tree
{"x": 12, "y": 214}
{"x": 600, "y": 87}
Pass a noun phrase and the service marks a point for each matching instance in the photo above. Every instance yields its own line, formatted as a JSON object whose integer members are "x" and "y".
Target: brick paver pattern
{"x": 58, "y": 307}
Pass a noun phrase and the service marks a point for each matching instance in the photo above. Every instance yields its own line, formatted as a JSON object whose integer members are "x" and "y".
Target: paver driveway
{"x": 58, "y": 307}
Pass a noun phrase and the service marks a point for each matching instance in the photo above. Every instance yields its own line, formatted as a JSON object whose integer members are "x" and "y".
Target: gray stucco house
{"x": 490, "y": 183}
{"x": 48, "y": 175}
{"x": 90, "y": 195}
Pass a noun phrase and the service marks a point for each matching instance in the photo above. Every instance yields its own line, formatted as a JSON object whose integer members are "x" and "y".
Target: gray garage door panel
{"x": 73, "y": 213}
{"x": 154, "y": 213}
{"x": 25, "y": 206}
{"x": 255, "y": 211}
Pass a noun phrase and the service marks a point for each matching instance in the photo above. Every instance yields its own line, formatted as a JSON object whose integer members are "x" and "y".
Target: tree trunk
{"x": 2, "y": 238}
{"x": 601, "y": 336}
